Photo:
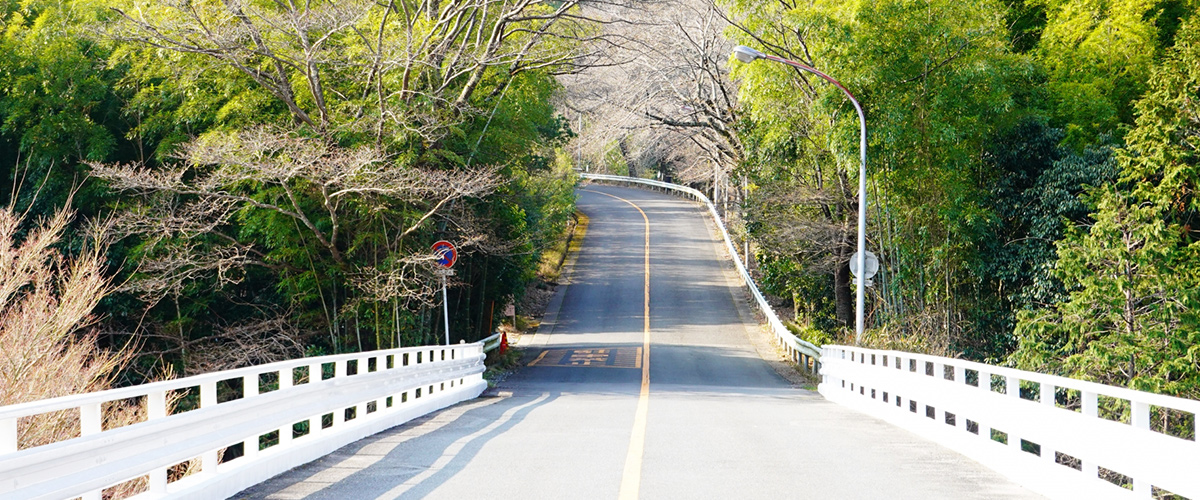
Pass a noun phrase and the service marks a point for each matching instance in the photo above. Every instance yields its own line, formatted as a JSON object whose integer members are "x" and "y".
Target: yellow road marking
{"x": 631, "y": 479}
{"x": 614, "y": 357}
{"x": 539, "y": 358}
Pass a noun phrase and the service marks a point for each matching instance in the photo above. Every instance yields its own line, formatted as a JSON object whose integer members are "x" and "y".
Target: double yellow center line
{"x": 631, "y": 478}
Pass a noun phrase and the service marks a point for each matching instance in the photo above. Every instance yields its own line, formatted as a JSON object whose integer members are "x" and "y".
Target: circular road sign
{"x": 872, "y": 265}
{"x": 446, "y": 253}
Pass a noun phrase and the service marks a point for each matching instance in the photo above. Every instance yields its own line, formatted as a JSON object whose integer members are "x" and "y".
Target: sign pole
{"x": 446, "y": 309}
{"x": 447, "y": 255}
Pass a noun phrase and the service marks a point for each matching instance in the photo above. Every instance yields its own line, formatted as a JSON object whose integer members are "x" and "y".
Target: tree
{"x": 663, "y": 102}
{"x": 57, "y": 106}
{"x": 47, "y": 346}
{"x": 396, "y": 70}
{"x": 802, "y": 199}
{"x": 305, "y": 155}
{"x": 1037, "y": 186}
{"x": 244, "y": 199}
{"x": 1131, "y": 316}
{"x": 936, "y": 80}
{"x": 1098, "y": 55}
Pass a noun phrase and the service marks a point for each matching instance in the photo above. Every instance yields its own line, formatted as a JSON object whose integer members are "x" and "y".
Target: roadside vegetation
{"x": 532, "y": 307}
{"x": 47, "y": 325}
{"x": 275, "y": 173}
{"x": 1032, "y": 168}
{"x": 527, "y": 315}
{"x": 551, "y": 267}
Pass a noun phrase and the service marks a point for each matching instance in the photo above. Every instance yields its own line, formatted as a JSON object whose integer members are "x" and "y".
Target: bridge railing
{"x": 281, "y": 415}
{"x": 800, "y": 351}
{"x": 1061, "y": 437}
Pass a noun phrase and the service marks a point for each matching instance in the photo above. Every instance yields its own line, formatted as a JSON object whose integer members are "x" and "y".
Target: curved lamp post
{"x": 748, "y": 55}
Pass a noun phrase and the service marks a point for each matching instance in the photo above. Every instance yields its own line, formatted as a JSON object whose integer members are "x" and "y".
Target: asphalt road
{"x": 596, "y": 415}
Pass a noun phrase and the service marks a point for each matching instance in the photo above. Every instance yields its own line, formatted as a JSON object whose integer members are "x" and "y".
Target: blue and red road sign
{"x": 447, "y": 254}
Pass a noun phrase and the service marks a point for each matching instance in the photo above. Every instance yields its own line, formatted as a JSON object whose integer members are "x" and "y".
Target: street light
{"x": 748, "y": 55}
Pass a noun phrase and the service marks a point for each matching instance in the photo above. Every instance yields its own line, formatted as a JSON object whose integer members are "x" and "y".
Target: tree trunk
{"x": 843, "y": 299}
{"x": 482, "y": 302}
{"x": 843, "y": 294}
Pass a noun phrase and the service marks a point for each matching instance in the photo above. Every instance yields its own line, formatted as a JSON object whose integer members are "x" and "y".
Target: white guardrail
{"x": 801, "y": 352}
{"x": 1058, "y": 450}
{"x": 491, "y": 343}
{"x": 360, "y": 394}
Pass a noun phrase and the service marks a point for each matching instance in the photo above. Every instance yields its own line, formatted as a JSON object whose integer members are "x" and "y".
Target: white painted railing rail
{"x": 300, "y": 417}
{"x": 804, "y": 353}
{"x": 1063, "y": 436}
{"x": 491, "y": 343}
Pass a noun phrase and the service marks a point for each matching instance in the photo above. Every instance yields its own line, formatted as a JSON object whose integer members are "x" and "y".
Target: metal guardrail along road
{"x": 491, "y": 343}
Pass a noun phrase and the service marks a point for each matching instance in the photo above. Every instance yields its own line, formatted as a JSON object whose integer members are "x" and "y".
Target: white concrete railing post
{"x": 1089, "y": 408}
{"x": 1048, "y": 391}
{"x": 287, "y": 378}
{"x": 100, "y": 458}
{"x": 208, "y": 399}
{"x": 1012, "y": 389}
{"x": 939, "y": 373}
{"x": 249, "y": 390}
{"x": 1139, "y": 418}
{"x": 960, "y": 377}
{"x": 90, "y": 419}
{"x": 156, "y": 405}
{"x": 985, "y": 384}
{"x": 8, "y": 435}
{"x": 156, "y": 408}
{"x": 339, "y": 372}
{"x": 316, "y": 374}
{"x": 1054, "y": 451}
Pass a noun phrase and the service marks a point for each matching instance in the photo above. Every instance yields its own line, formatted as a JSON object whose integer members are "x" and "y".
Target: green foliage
{"x": 1037, "y": 189}
{"x": 811, "y": 335}
{"x": 1098, "y": 55}
{"x": 810, "y": 294}
{"x": 57, "y": 106}
{"x": 68, "y": 96}
{"x": 1026, "y": 21}
{"x": 1131, "y": 317}
{"x": 988, "y": 123}
{"x": 937, "y": 82}
{"x": 936, "y": 108}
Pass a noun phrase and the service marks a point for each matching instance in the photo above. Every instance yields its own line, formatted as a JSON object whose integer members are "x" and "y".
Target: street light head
{"x": 746, "y": 54}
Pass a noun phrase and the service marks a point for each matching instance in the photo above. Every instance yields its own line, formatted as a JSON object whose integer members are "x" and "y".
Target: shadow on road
{"x": 420, "y": 455}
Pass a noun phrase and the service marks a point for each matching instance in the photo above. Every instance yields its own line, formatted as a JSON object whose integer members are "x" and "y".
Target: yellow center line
{"x": 631, "y": 479}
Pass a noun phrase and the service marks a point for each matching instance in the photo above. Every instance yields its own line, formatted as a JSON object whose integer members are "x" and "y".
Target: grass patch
{"x": 809, "y": 334}
{"x": 554, "y": 257}
{"x": 500, "y": 366}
